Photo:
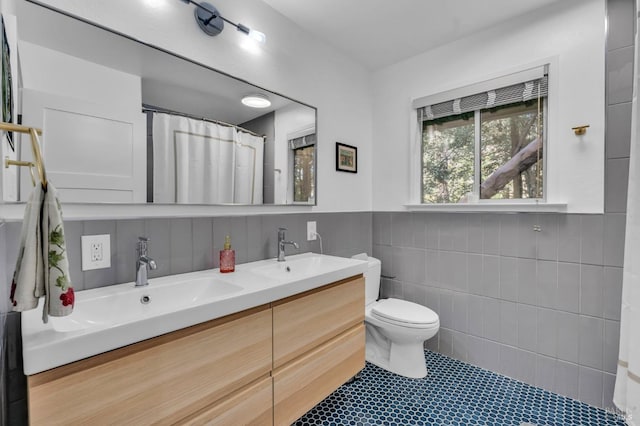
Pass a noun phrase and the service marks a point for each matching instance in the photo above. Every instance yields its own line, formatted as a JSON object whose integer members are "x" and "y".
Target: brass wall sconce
{"x": 580, "y": 130}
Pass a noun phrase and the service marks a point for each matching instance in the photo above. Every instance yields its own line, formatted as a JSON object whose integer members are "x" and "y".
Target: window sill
{"x": 490, "y": 207}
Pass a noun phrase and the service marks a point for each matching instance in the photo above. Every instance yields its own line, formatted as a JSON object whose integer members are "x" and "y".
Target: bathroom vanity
{"x": 266, "y": 364}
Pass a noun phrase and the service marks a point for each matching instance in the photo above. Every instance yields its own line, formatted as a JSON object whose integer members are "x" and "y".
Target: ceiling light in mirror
{"x": 256, "y": 100}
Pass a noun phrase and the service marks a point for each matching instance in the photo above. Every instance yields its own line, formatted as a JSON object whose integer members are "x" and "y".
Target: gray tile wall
{"x": 177, "y": 245}
{"x": 542, "y": 307}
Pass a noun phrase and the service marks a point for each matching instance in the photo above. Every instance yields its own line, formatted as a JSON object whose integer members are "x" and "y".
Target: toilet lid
{"x": 403, "y": 311}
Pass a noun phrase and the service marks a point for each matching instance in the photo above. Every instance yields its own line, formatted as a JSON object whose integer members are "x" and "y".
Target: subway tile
{"x": 460, "y": 311}
{"x": 492, "y": 326}
{"x": 432, "y": 344}
{"x": 527, "y": 281}
{"x": 401, "y": 229}
{"x": 385, "y": 255}
{"x": 432, "y": 267}
{"x": 432, "y": 299}
{"x": 476, "y": 315}
{"x": 418, "y": 230}
{"x": 459, "y": 232}
{"x": 547, "y": 330}
{"x": 474, "y": 233}
{"x": 616, "y": 182}
{"x": 568, "y": 298}
{"x": 255, "y": 247}
{"x": 413, "y": 293}
{"x": 612, "y": 292}
{"x": 526, "y": 367}
{"x": 547, "y": 287}
{"x": 548, "y": 237}
{"x": 402, "y": 263}
{"x": 609, "y": 383}
{"x": 614, "y": 237}
{"x": 569, "y": 238}
{"x": 527, "y": 237}
{"x": 568, "y": 336}
{"x": 475, "y": 350}
{"x": 619, "y": 75}
{"x": 433, "y": 230}
{"x": 590, "y": 385}
{"x": 181, "y": 245}
{"x": 592, "y": 233}
{"x": 445, "y": 342}
{"x": 618, "y": 136}
{"x": 566, "y": 379}
{"x": 415, "y": 266}
{"x": 591, "y": 290}
{"x": 126, "y": 240}
{"x": 527, "y": 327}
{"x": 159, "y": 233}
{"x": 474, "y": 270}
{"x": 591, "y": 342}
{"x": 509, "y": 361}
{"x": 492, "y": 355}
{"x": 446, "y": 224}
{"x": 508, "y": 234}
{"x": 381, "y": 228}
{"x": 620, "y": 23}
{"x": 508, "y": 323}
{"x": 509, "y": 278}
{"x": 72, "y": 236}
{"x": 545, "y": 372}
{"x": 459, "y": 346}
{"x": 491, "y": 234}
{"x": 611, "y": 346}
{"x": 490, "y": 276}
{"x": 446, "y": 309}
{"x": 202, "y": 244}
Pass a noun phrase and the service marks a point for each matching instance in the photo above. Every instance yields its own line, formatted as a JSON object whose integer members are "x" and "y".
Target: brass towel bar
{"x": 35, "y": 147}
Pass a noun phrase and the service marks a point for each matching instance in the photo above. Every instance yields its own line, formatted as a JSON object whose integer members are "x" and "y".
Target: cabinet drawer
{"x": 303, "y": 383}
{"x": 302, "y": 322}
{"x": 160, "y": 380}
{"x": 252, "y": 405}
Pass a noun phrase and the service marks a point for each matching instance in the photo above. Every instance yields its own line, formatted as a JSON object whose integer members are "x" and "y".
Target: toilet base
{"x": 406, "y": 359}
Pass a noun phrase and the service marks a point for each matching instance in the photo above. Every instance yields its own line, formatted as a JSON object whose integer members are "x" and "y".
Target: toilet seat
{"x": 404, "y": 313}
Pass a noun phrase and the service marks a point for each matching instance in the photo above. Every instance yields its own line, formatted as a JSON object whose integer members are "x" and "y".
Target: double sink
{"x": 111, "y": 317}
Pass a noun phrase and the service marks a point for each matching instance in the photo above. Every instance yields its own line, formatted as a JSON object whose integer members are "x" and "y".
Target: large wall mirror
{"x": 124, "y": 122}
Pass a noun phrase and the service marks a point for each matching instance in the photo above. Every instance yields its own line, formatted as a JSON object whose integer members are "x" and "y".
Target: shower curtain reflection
{"x": 199, "y": 162}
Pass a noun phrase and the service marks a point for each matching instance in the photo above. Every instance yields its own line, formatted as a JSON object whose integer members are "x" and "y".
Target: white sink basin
{"x": 111, "y": 317}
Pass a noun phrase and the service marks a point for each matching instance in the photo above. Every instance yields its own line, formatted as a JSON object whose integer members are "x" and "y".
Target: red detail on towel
{"x": 67, "y": 298}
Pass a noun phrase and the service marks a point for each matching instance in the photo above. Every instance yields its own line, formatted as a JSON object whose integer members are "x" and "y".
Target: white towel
{"x": 42, "y": 268}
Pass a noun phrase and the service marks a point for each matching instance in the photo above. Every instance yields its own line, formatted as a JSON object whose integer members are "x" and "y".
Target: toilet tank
{"x": 371, "y": 278}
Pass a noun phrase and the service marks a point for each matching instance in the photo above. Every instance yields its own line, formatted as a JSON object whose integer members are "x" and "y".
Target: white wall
{"x": 570, "y": 34}
{"x": 292, "y": 62}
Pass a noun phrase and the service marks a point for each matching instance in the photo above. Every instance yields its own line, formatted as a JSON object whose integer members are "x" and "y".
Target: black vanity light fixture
{"x": 212, "y": 22}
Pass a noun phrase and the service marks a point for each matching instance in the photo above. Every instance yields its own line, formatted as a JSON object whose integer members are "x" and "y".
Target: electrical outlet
{"x": 96, "y": 252}
{"x": 311, "y": 231}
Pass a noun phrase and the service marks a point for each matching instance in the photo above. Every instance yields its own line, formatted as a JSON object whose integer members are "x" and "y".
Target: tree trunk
{"x": 525, "y": 158}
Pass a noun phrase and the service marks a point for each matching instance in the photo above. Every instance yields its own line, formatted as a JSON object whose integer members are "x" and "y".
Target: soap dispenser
{"x": 227, "y": 257}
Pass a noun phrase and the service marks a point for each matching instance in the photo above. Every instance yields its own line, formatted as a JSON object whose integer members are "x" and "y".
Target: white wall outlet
{"x": 96, "y": 252}
{"x": 311, "y": 231}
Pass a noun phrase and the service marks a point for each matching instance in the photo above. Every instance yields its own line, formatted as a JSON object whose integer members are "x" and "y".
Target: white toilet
{"x": 396, "y": 329}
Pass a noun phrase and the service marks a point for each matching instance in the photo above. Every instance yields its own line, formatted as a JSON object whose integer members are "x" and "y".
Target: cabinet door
{"x": 303, "y": 383}
{"x": 158, "y": 381}
{"x": 302, "y": 322}
{"x": 252, "y": 405}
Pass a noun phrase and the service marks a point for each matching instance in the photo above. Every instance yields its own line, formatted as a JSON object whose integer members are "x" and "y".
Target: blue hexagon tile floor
{"x": 453, "y": 393}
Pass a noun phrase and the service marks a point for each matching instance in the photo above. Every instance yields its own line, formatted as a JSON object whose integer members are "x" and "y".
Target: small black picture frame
{"x": 346, "y": 158}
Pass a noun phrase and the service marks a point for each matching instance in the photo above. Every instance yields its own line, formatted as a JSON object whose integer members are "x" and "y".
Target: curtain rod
{"x": 151, "y": 108}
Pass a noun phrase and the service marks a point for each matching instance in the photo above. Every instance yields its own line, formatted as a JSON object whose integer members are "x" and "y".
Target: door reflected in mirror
{"x": 144, "y": 125}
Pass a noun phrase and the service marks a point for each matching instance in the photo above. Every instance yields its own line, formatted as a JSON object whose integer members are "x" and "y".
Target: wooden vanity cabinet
{"x": 267, "y": 365}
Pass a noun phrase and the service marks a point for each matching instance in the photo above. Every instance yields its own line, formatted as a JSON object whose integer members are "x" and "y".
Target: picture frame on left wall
{"x": 7, "y": 85}
{"x": 346, "y": 158}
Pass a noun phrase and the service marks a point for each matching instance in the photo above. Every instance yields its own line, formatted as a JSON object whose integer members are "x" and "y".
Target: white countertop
{"x": 111, "y": 317}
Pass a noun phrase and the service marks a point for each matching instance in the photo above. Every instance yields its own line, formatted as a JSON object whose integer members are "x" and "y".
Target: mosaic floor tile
{"x": 453, "y": 393}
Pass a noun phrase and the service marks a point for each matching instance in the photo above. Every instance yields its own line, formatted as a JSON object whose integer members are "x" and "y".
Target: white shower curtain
{"x": 199, "y": 162}
{"x": 627, "y": 390}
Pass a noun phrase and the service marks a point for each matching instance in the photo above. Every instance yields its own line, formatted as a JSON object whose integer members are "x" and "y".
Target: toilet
{"x": 395, "y": 329}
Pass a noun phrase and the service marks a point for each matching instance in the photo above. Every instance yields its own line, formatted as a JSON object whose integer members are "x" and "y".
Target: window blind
{"x": 516, "y": 87}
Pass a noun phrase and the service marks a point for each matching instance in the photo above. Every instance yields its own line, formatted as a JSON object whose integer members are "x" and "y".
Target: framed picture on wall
{"x": 346, "y": 158}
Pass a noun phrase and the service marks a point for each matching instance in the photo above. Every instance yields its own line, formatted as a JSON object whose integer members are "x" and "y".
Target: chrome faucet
{"x": 282, "y": 243}
{"x": 143, "y": 262}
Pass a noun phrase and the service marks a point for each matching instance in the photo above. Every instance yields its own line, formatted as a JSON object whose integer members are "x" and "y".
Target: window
{"x": 485, "y": 145}
{"x": 304, "y": 151}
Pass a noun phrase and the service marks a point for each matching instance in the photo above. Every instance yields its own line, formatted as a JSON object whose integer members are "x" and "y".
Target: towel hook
{"x": 35, "y": 148}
